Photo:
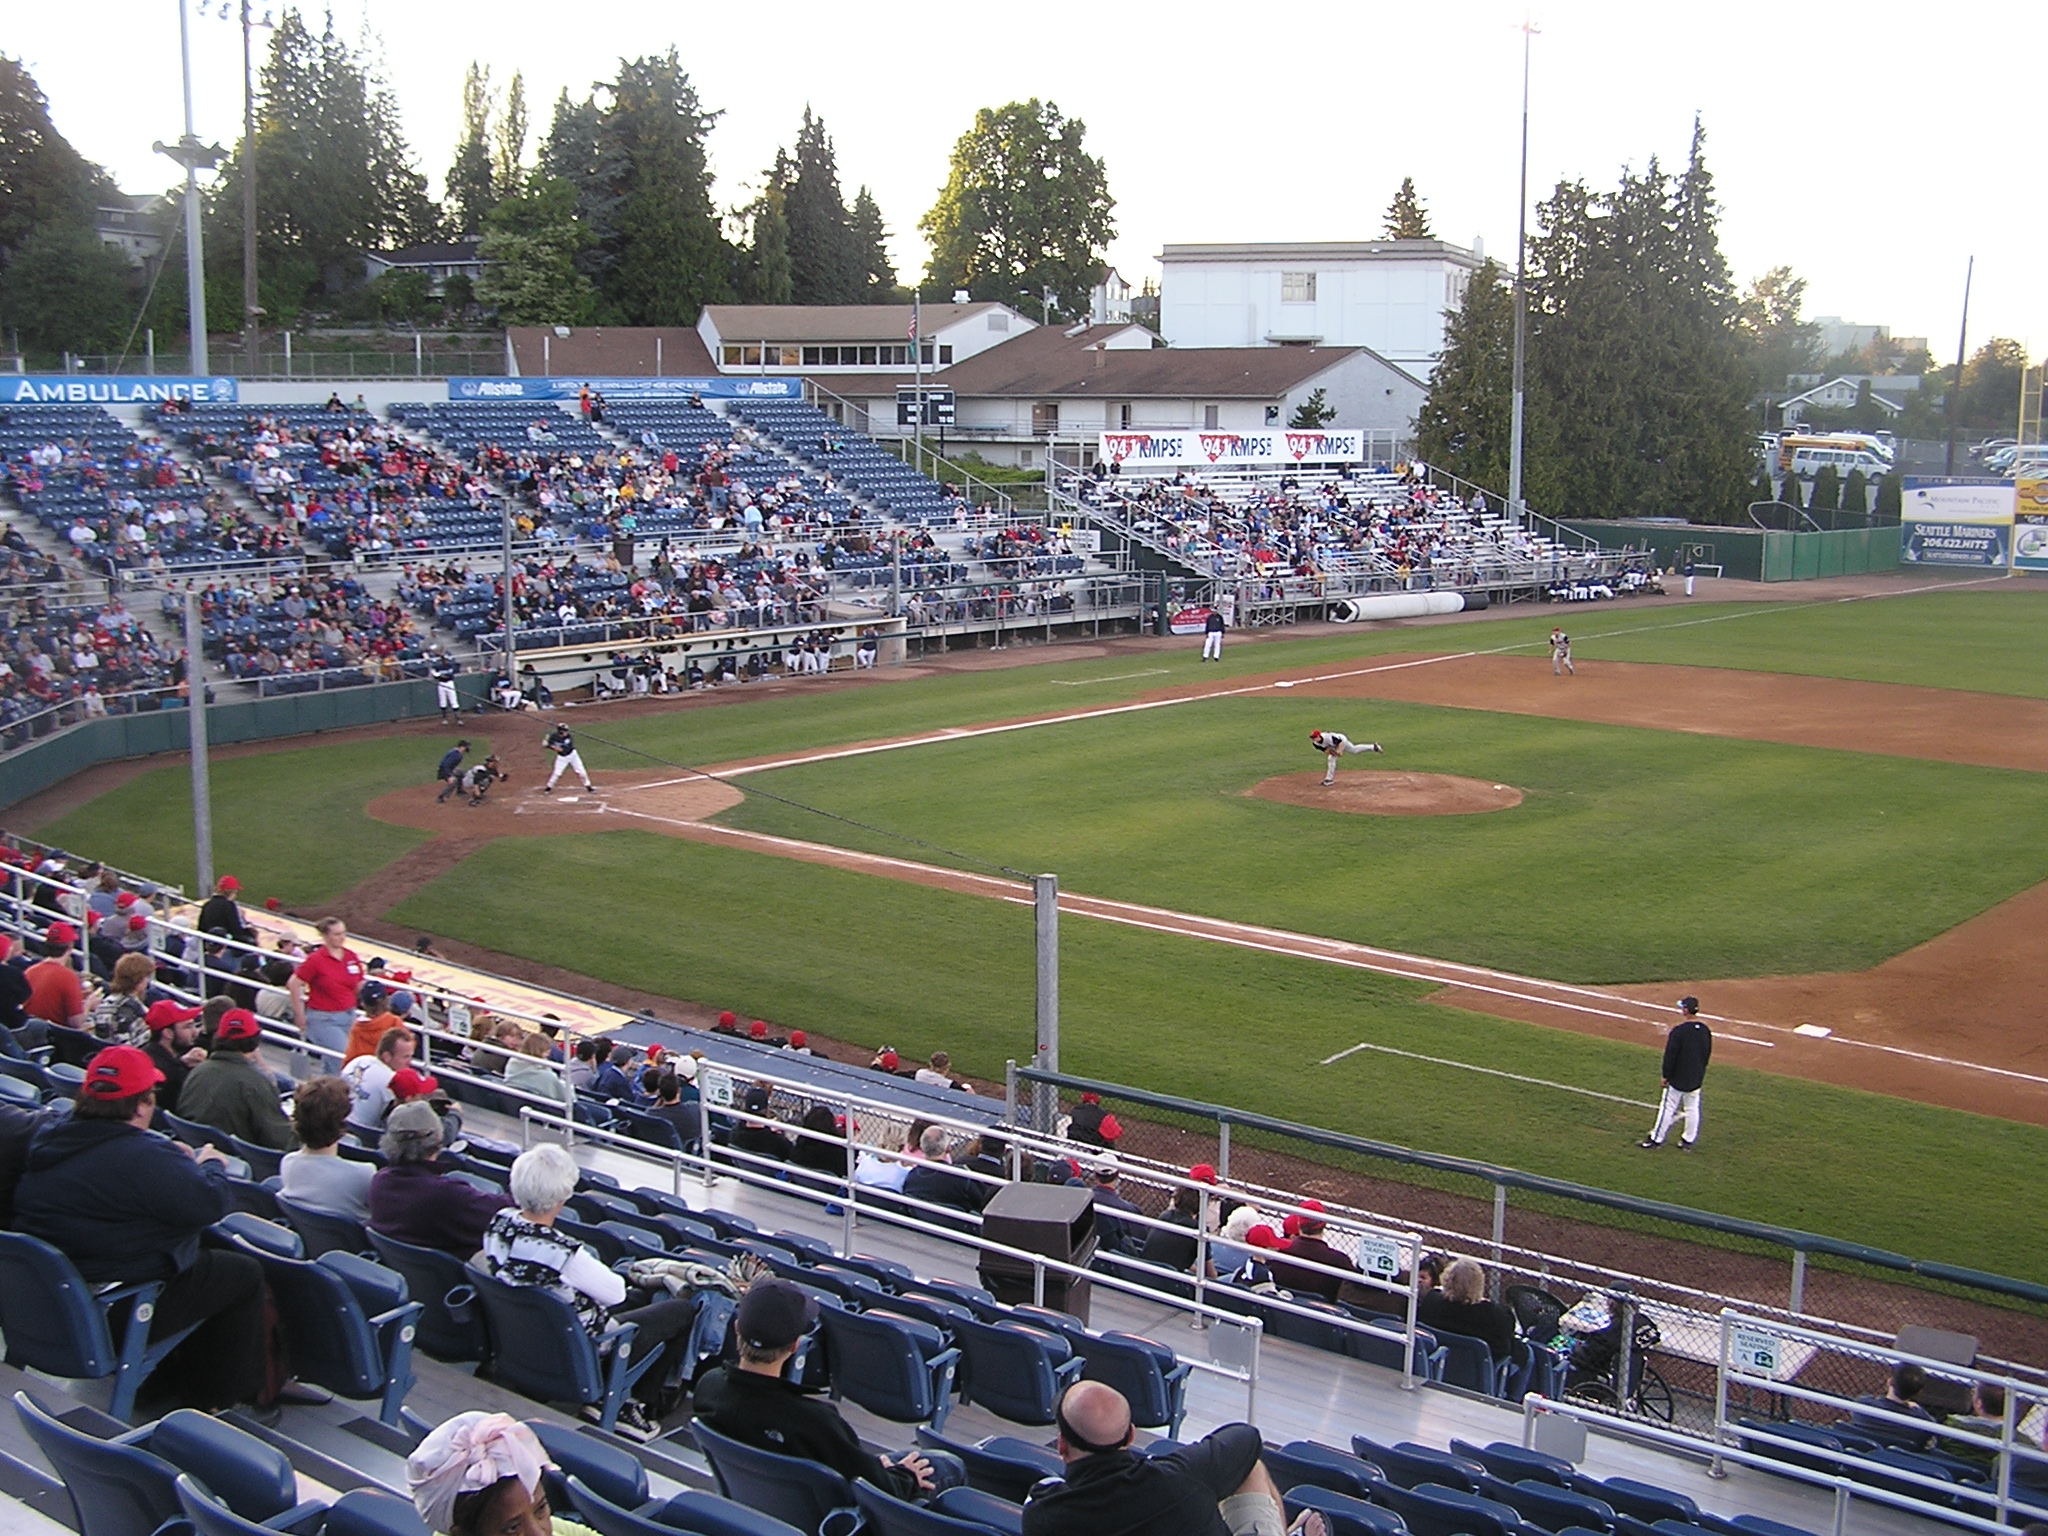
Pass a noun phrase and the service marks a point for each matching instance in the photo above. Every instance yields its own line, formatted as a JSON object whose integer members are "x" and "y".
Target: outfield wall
{"x": 1752, "y": 554}
{"x": 34, "y": 768}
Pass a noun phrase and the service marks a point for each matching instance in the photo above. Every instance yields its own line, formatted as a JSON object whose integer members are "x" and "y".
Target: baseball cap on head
{"x": 124, "y": 901}
{"x": 1689, "y": 1004}
{"x": 138, "y": 923}
{"x": 410, "y": 1084}
{"x": 1203, "y": 1173}
{"x": 229, "y": 883}
{"x": 166, "y": 1014}
{"x": 62, "y": 933}
{"x": 758, "y": 1030}
{"x": 798, "y": 1039}
{"x": 120, "y": 1072}
{"x": 773, "y": 1315}
{"x": 415, "y": 1117}
{"x": 891, "y": 1061}
{"x": 728, "y": 1019}
{"x": 237, "y": 1024}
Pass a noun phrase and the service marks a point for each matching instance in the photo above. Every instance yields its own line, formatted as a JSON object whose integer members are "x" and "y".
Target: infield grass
{"x": 876, "y": 962}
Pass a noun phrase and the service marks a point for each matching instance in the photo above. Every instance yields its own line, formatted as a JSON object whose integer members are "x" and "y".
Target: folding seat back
{"x": 886, "y": 1515}
{"x": 1322, "y": 1466}
{"x": 539, "y": 1347}
{"x": 1014, "y": 1371}
{"x": 1469, "y": 1363}
{"x": 264, "y": 1163}
{"x": 1546, "y": 1504}
{"x": 321, "y": 1232}
{"x": 252, "y": 1477}
{"x": 1410, "y": 1466}
{"x": 209, "y": 1517}
{"x": 895, "y": 1367}
{"x": 1002, "y": 1465}
{"x": 1384, "y": 1344}
{"x": 1512, "y": 1464}
{"x": 265, "y": 1236}
{"x": 604, "y": 1470}
{"x": 1644, "y": 1501}
{"x": 801, "y": 1493}
{"x": 19, "y": 1092}
{"x": 1432, "y": 1509}
{"x": 451, "y": 1322}
{"x": 1347, "y": 1516}
{"x": 348, "y": 1324}
{"x": 373, "y": 1512}
{"x": 116, "y": 1489}
{"x": 704, "y": 1514}
{"x": 52, "y": 1320}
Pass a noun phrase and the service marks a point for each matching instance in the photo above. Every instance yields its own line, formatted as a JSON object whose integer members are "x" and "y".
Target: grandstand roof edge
{"x": 1332, "y": 250}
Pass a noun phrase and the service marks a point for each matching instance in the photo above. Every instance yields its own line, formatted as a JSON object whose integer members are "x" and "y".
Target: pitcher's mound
{"x": 1390, "y": 794}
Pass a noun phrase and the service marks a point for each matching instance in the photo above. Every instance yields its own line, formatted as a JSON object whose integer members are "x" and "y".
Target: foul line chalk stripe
{"x": 1466, "y": 1066}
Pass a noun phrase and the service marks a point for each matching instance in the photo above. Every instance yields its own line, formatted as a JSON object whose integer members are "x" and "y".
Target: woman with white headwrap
{"x": 479, "y": 1474}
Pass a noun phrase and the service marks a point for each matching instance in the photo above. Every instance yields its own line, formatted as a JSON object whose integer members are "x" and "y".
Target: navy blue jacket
{"x": 120, "y": 1203}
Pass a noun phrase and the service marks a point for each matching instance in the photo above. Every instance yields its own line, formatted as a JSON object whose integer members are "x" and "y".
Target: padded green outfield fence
{"x": 1753, "y": 554}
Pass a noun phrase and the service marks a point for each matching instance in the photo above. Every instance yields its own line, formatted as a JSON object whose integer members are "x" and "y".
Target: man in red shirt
{"x": 57, "y": 996}
{"x": 324, "y": 987}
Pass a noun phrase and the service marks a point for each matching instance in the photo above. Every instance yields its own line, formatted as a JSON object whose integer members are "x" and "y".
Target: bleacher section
{"x": 883, "y": 480}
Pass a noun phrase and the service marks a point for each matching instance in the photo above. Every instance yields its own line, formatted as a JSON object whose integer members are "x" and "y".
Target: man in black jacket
{"x": 752, "y": 1404}
{"x": 222, "y": 913}
{"x": 126, "y": 1205}
{"x": 1214, "y": 1487}
{"x": 1686, "y": 1051}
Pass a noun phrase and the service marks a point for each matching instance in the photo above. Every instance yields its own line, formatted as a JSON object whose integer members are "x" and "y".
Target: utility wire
{"x": 799, "y": 805}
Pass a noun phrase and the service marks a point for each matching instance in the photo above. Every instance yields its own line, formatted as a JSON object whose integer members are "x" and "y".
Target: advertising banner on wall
{"x": 2030, "y": 525}
{"x": 626, "y": 389}
{"x": 1230, "y": 450}
{"x": 114, "y": 389}
{"x": 1956, "y": 523}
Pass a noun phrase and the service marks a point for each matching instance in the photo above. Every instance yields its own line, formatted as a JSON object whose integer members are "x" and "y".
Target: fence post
{"x": 1223, "y": 1149}
{"x": 1714, "y": 1467}
{"x": 1798, "y": 1300}
{"x": 1500, "y": 1224}
{"x": 1408, "y": 1381}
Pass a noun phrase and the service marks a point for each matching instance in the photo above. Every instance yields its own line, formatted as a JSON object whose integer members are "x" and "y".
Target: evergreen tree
{"x": 1889, "y": 496}
{"x": 65, "y": 291}
{"x": 824, "y": 258}
{"x": 1407, "y": 217}
{"x": 1467, "y": 419}
{"x": 1778, "y": 341}
{"x": 577, "y": 151}
{"x": 871, "y": 243}
{"x": 1856, "y": 498}
{"x": 1764, "y": 488}
{"x": 1865, "y": 415}
{"x": 508, "y": 137}
{"x": 1789, "y": 493}
{"x": 529, "y": 250}
{"x": 1827, "y": 495}
{"x": 1025, "y": 209}
{"x": 472, "y": 185}
{"x": 44, "y": 182}
{"x": 766, "y": 278}
{"x": 1313, "y": 412}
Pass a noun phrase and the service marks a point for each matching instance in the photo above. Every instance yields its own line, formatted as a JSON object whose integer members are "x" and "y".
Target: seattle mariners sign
{"x": 117, "y": 389}
{"x": 1230, "y": 450}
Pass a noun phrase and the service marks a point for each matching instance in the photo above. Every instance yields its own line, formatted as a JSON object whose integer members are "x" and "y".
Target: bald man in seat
{"x": 1214, "y": 1487}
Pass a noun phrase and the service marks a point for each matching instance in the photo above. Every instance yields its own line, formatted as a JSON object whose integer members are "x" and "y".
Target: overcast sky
{"x": 1872, "y": 148}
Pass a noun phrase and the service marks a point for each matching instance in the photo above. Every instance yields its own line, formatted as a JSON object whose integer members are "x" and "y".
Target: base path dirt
{"x": 1379, "y": 793}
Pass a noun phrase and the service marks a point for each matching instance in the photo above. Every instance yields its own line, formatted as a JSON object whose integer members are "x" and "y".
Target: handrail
{"x": 1513, "y": 1178}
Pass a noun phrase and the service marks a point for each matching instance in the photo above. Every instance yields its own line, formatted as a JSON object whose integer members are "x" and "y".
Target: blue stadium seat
{"x": 1641, "y": 1501}
{"x": 999, "y": 1515}
{"x": 451, "y": 1322}
{"x": 349, "y": 1326}
{"x": 20, "y": 1092}
{"x": 603, "y": 1469}
{"x": 1408, "y": 1465}
{"x": 1387, "y": 1346}
{"x": 1152, "y": 1379}
{"x": 1431, "y": 1509}
{"x": 1346, "y": 1515}
{"x": 265, "y": 1236}
{"x": 263, "y": 1162}
{"x": 540, "y": 1348}
{"x": 1014, "y": 1371}
{"x": 323, "y": 1233}
{"x": 1469, "y": 1363}
{"x": 52, "y": 1320}
{"x": 373, "y": 1512}
{"x": 247, "y": 1475}
{"x": 1320, "y": 1466}
{"x": 886, "y": 1515}
{"x": 1002, "y": 1465}
{"x": 704, "y": 1514}
{"x": 116, "y": 1489}
{"x": 1512, "y": 1464}
{"x": 800, "y": 1492}
{"x": 894, "y": 1367}
{"x": 211, "y": 1517}
{"x": 1546, "y": 1504}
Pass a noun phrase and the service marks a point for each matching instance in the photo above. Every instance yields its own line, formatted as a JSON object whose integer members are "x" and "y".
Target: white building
{"x": 1391, "y": 296}
{"x": 1109, "y": 301}
{"x": 828, "y": 339}
{"x": 436, "y": 262}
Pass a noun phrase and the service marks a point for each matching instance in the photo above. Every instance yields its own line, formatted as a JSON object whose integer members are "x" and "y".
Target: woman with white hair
{"x": 522, "y": 1247}
{"x": 479, "y": 1474}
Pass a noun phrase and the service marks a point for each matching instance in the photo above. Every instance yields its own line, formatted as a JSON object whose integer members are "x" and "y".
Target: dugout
{"x": 1749, "y": 554}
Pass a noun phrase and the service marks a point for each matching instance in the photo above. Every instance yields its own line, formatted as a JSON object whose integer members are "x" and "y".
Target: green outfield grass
{"x": 875, "y": 961}
{"x": 287, "y": 824}
{"x": 1636, "y": 855}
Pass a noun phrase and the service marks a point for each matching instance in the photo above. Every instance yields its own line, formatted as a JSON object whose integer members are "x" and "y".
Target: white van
{"x": 1808, "y": 459}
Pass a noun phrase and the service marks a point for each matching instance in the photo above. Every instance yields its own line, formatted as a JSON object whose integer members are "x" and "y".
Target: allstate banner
{"x": 2030, "y": 526}
{"x": 1956, "y": 523}
{"x": 1230, "y": 450}
{"x": 625, "y": 389}
{"x": 112, "y": 389}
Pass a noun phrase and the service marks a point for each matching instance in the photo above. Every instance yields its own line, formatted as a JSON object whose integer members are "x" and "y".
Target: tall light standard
{"x": 195, "y": 157}
{"x": 251, "y": 310}
{"x": 1521, "y": 291}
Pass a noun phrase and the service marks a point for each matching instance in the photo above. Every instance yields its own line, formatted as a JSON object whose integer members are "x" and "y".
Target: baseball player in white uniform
{"x": 1561, "y": 653}
{"x": 563, "y": 745}
{"x": 445, "y": 697}
{"x": 1333, "y": 745}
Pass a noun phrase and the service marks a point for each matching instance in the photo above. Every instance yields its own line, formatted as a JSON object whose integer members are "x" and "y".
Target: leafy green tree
{"x": 766, "y": 278}
{"x": 1407, "y": 217}
{"x": 1315, "y": 411}
{"x": 66, "y": 291}
{"x": 824, "y": 256}
{"x": 43, "y": 180}
{"x": 1467, "y": 419}
{"x": 471, "y": 186}
{"x": 1025, "y": 209}
{"x": 871, "y": 241}
{"x": 1991, "y": 386}
{"x": 1634, "y": 347}
{"x": 1778, "y": 341}
{"x": 529, "y": 251}
{"x": 1856, "y": 497}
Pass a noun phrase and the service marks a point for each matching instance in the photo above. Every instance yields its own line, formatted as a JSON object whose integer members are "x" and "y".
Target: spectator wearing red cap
{"x": 221, "y": 915}
{"x": 1312, "y": 1246}
{"x": 728, "y": 1023}
{"x": 126, "y": 1206}
{"x": 800, "y": 1043}
{"x": 1092, "y": 1124}
{"x": 231, "y": 1090}
{"x": 886, "y": 1060}
{"x": 58, "y": 997}
{"x": 324, "y": 989}
{"x": 173, "y": 1035}
{"x": 761, "y": 1033}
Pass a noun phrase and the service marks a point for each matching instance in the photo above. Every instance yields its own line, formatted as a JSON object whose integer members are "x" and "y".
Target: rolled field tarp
{"x": 1398, "y": 605}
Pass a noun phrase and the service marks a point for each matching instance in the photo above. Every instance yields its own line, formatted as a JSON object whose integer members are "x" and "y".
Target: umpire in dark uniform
{"x": 1686, "y": 1052}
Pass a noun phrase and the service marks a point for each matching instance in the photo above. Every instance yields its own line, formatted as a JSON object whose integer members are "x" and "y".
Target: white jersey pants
{"x": 1671, "y": 1107}
{"x": 1212, "y": 645}
{"x": 445, "y": 697}
{"x": 566, "y": 762}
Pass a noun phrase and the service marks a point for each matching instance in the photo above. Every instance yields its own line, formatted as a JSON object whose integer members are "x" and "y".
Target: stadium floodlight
{"x": 1515, "y": 508}
{"x": 194, "y": 157}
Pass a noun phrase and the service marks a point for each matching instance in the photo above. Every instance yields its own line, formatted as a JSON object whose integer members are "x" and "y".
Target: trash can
{"x": 1055, "y": 1220}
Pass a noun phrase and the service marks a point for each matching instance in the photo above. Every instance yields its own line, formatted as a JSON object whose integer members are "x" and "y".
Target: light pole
{"x": 195, "y": 157}
{"x": 1521, "y": 292}
{"x": 251, "y": 309}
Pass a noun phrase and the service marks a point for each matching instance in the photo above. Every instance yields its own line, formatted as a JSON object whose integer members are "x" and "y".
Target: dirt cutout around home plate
{"x": 521, "y": 809}
{"x": 1389, "y": 794}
